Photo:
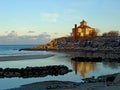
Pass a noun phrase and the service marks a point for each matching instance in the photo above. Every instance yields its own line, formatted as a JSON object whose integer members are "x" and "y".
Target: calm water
{"x": 80, "y": 69}
{"x": 12, "y": 50}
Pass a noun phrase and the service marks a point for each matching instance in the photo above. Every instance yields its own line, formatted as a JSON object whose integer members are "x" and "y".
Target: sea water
{"x": 13, "y": 50}
{"x": 80, "y": 69}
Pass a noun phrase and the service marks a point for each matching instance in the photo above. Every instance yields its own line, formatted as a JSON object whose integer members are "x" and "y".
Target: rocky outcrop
{"x": 52, "y": 44}
{"x": 96, "y": 44}
{"x": 34, "y": 71}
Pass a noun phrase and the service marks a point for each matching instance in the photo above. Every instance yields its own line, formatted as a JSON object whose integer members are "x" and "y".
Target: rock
{"x": 34, "y": 71}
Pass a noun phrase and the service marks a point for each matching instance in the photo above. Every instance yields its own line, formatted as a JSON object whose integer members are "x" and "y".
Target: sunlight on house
{"x": 83, "y": 30}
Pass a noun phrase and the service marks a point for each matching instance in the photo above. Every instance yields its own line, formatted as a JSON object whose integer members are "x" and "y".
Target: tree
{"x": 105, "y": 34}
{"x": 111, "y": 33}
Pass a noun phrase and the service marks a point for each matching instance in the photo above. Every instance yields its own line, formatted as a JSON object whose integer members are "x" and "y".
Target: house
{"x": 83, "y": 30}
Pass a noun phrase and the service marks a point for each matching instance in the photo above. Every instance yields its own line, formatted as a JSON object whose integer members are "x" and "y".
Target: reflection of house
{"x": 83, "y": 67}
{"x": 83, "y": 30}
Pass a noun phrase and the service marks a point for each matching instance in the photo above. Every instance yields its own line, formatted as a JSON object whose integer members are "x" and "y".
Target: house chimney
{"x": 75, "y": 31}
{"x": 75, "y": 25}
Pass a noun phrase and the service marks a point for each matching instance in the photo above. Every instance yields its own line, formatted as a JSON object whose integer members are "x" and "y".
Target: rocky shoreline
{"x": 29, "y": 72}
{"x": 74, "y": 50}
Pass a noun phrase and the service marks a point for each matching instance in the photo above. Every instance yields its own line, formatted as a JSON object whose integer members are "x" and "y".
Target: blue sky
{"x": 36, "y": 19}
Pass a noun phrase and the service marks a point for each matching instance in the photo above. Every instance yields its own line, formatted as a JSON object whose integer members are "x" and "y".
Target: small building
{"x": 83, "y": 30}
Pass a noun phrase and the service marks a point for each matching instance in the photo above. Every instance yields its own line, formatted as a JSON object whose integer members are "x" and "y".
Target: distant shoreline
{"x": 24, "y": 57}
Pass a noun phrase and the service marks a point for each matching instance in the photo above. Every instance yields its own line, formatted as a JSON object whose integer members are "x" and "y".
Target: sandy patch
{"x": 24, "y": 57}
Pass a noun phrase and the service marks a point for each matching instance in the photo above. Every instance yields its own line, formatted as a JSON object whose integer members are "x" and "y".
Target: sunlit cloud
{"x": 49, "y": 17}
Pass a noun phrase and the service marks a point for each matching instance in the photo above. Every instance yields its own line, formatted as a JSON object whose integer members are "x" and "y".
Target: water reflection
{"x": 83, "y": 67}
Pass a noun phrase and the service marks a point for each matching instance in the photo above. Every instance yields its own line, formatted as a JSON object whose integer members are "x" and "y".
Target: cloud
{"x": 56, "y": 33}
{"x": 49, "y": 17}
{"x": 13, "y": 38}
{"x": 12, "y": 34}
{"x": 31, "y": 31}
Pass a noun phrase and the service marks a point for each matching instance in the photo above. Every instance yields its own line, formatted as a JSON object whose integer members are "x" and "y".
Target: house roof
{"x": 83, "y": 21}
{"x": 84, "y": 26}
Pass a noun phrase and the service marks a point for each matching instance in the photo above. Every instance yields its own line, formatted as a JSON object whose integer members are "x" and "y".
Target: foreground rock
{"x": 34, "y": 71}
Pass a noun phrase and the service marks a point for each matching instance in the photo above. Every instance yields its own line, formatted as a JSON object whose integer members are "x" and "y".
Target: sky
{"x": 39, "y": 21}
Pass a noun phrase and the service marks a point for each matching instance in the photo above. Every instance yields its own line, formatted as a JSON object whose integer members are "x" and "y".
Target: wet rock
{"x": 34, "y": 71}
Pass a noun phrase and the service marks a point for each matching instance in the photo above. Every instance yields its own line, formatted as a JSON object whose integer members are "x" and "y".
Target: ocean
{"x": 13, "y": 50}
{"x": 80, "y": 69}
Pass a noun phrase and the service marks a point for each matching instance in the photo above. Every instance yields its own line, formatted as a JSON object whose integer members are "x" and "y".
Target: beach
{"x": 24, "y": 57}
